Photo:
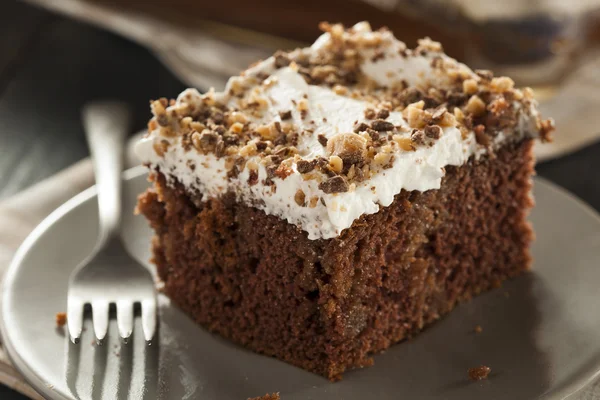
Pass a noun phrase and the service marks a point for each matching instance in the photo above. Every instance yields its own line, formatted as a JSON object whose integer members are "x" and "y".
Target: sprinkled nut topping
{"x": 248, "y": 127}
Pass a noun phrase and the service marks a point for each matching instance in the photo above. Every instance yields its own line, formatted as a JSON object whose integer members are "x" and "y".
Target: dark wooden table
{"x": 51, "y": 66}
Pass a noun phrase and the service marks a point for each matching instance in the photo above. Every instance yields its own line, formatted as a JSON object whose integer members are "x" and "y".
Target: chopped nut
{"x": 340, "y": 90}
{"x": 300, "y": 198}
{"x": 336, "y": 184}
{"x": 383, "y": 159}
{"x": 237, "y": 117}
{"x": 303, "y": 105}
{"x": 382, "y": 126}
{"x": 158, "y": 109}
{"x": 268, "y": 132}
{"x": 237, "y": 127}
{"x": 313, "y": 202}
{"x": 370, "y": 113}
{"x": 475, "y": 106}
{"x": 350, "y": 147}
{"x": 484, "y": 74}
{"x": 459, "y": 115}
{"x": 336, "y": 164}
{"x": 428, "y": 44}
{"x": 470, "y": 86}
{"x": 281, "y": 59}
{"x": 160, "y": 148}
{"x": 248, "y": 150}
{"x": 205, "y": 141}
{"x": 404, "y": 143}
{"x": 479, "y": 373}
{"x": 416, "y": 117}
{"x": 502, "y": 84}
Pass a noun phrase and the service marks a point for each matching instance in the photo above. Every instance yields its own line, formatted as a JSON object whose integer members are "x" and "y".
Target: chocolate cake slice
{"x": 337, "y": 199}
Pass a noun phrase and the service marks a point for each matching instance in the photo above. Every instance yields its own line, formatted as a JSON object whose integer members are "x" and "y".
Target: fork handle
{"x": 106, "y": 126}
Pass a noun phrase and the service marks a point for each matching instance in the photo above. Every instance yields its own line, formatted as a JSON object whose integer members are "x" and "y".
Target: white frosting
{"x": 328, "y": 114}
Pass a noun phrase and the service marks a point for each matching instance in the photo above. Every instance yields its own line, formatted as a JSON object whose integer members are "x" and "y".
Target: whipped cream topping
{"x": 319, "y": 112}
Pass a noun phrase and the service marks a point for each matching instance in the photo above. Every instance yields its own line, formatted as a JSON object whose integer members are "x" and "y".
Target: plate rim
{"x": 48, "y": 391}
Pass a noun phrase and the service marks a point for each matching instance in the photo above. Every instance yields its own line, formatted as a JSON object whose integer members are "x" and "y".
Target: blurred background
{"x": 57, "y": 55}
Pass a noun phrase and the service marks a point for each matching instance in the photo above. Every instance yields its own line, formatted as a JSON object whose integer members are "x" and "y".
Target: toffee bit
{"x": 304, "y": 166}
{"x": 433, "y": 131}
{"x": 281, "y": 59}
{"x": 284, "y": 115}
{"x": 361, "y": 127}
{"x": 417, "y": 136}
{"x": 383, "y": 113}
{"x": 382, "y": 126}
{"x": 479, "y": 373}
{"x": 322, "y": 139}
{"x": 336, "y": 184}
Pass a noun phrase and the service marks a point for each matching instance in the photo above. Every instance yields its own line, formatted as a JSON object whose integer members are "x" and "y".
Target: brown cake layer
{"x": 327, "y": 305}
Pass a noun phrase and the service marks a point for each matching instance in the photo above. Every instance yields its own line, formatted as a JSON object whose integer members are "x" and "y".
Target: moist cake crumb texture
{"x": 338, "y": 199}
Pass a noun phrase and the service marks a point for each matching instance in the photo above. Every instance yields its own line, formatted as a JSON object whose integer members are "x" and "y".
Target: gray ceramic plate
{"x": 541, "y": 332}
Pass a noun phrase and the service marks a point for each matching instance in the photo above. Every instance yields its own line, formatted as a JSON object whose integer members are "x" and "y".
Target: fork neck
{"x": 106, "y": 130}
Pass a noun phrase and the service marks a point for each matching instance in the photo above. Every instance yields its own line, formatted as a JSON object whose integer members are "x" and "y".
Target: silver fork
{"x": 109, "y": 277}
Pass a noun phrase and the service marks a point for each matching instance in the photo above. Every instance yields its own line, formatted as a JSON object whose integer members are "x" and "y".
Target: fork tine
{"x": 149, "y": 318}
{"x": 125, "y": 318}
{"x": 100, "y": 318}
{"x": 75, "y": 318}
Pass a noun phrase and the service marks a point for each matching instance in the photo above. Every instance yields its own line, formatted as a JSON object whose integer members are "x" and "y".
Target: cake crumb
{"x": 268, "y": 396}
{"x": 478, "y": 329}
{"x": 61, "y": 319}
{"x": 479, "y": 373}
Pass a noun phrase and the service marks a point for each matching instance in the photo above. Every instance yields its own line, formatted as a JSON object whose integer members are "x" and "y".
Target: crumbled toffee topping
{"x": 472, "y": 101}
